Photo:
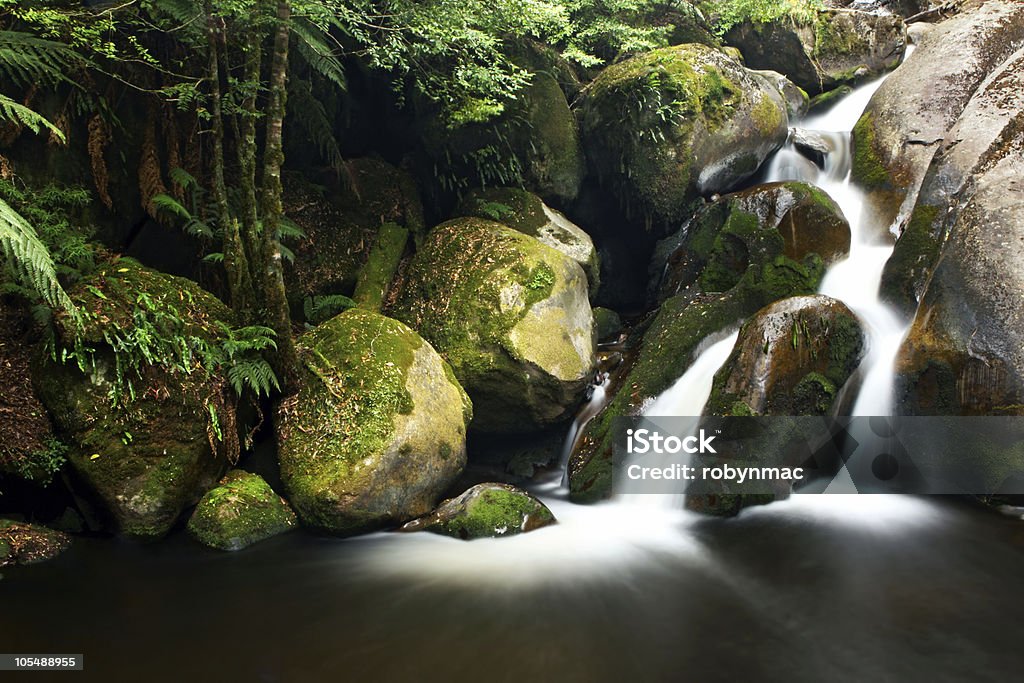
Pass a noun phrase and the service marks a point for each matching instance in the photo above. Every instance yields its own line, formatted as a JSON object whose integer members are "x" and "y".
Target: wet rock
{"x": 823, "y": 51}
{"x": 964, "y": 354}
{"x": 241, "y": 510}
{"x": 22, "y": 543}
{"x": 510, "y": 314}
{"x": 149, "y": 458}
{"x": 341, "y": 224}
{"x": 486, "y": 511}
{"x": 910, "y": 114}
{"x": 792, "y": 358}
{"x": 797, "y": 100}
{"x": 812, "y": 145}
{"x": 979, "y": 138}
{"x": 377, "y": 430}
{"x": 666, "y": 127}
{"x": 826, "y": 100}
{"x": 733, "y": 239}
{"x": 607, "y": 324}
{"x": 525, "y": 212}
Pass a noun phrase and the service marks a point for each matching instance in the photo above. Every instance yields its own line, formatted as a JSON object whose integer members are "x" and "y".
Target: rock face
{"x": 979, "y": 138}
{"x": 666, "y": 127}
{"x": 964, "y": 354}
{"x": 377, "y": 431}
{"x": 824, "y": 51}
{"x": 510, "y": 314}
{"x": 536, "y": 140}
{"x": 718, "y": 247}
{"x": 910, "y": 114}
{"x": 29, "y": 543}
{"x": 486, "y": 511}
{"x": 241, "y": 510}
{"x": 792, "y": 358}
{"x": 525, "y": 212}
{"x": 341, "y": 226}
{"x": 148, "y": 458}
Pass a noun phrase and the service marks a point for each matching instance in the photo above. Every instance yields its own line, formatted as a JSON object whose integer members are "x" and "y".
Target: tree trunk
{"x": 274, "y": 298}
{"x": 236, "y": 264}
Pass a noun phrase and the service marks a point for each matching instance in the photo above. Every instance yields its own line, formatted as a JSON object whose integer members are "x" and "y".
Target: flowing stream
{"x": 817, "y": 587}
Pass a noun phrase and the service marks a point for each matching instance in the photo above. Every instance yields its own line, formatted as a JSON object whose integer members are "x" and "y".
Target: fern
{"x": 23, "y": 116}
{"x": 30, "y": 260}
{"x": 317, "y": 309}
{"x": 27, "y": 60}
{"x": 308, "y": 112}
{"x": 164, "y": 203}
{"x": 312, "y": 45}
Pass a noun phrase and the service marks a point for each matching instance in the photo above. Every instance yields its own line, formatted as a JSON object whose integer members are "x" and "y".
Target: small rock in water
{"x": 486, "y": 511}
{"x": 29, "y": 543}
{"x": 812, "y": 145}
{"x": 240, "y": 511}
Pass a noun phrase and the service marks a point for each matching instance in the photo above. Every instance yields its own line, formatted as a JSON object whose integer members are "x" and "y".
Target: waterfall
{"x": 604, "y": 539}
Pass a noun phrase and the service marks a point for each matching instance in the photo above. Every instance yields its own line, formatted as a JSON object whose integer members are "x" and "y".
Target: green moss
{"x": 832, "y": 38}
{"x": 868, "y": 169}
{"x": 242, "y": 510}
{"x": 766, "y": 115}
{"x": 358, "y": 363}
{"x": 376, "y": 275}
{"x": 915, "y": 254}
{"x": 814, "y": 394}
{"x": 497, "y": 511}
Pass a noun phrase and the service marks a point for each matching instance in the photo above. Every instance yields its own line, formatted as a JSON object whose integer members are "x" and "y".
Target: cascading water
{"x": 601, "y": 538}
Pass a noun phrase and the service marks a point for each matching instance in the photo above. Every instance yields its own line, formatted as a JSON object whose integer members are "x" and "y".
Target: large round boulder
{"x": 241, "y": 510}
{"x": 527, "y": 213}
{"x": 752, "y": 228}
{"x": 147, "y": 444}
{"x": 663, "y": 128}
{"x": 910, "y": 114}
{"x": 822, "y": 50}
{"x": 510, "y": 314}
{"x": 486, "y": 511}
{"x": 377, "y": 430}
{"x": 792, "y": 358}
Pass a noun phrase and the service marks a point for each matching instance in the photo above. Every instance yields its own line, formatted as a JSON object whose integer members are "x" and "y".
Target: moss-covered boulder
{"x": 670, "y": 345}
{"x": 22, "y": 543}
{"x": 792, "y": 358}
{"x": 910, "y": 114}
{"x": 525, "y": 212}
{"x": 377, "y": 430}
{"x": 341, "y": 222}
{"x": 715, "y": 249}
{"x": 663, "y": 128}
{"x": 797, "y": 99}
{"x": 486, "y": 511}
{"x": 607, "y": 324}
{"x": 147, "y": 444}
{"x": 975, "y": 142}
{"x": 241, "y": 510}
{"x": 822, "y": 50}
{"x": 510, "y": 314}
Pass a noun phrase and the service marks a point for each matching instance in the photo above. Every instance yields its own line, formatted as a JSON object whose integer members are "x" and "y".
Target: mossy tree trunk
{"x": 274, "y": 297}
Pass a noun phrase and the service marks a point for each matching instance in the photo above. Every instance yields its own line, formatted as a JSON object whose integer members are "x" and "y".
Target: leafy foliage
{"x": 729, "y": 13}
{"x": 318, "y": 309}
{"x": 28, "y": 260}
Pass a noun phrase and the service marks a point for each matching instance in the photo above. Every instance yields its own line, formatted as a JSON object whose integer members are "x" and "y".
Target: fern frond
{"x": 27, "y": 60}
{"x": 314, "y": 49}
{"x": 20, "y": 114}
{"x": 320, "y": 308}
{"x": 309, "y": 113}
{"x": 30, "y": 259}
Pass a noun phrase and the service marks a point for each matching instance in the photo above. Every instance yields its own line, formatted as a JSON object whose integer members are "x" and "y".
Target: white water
{"x": 601, "y": 541}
